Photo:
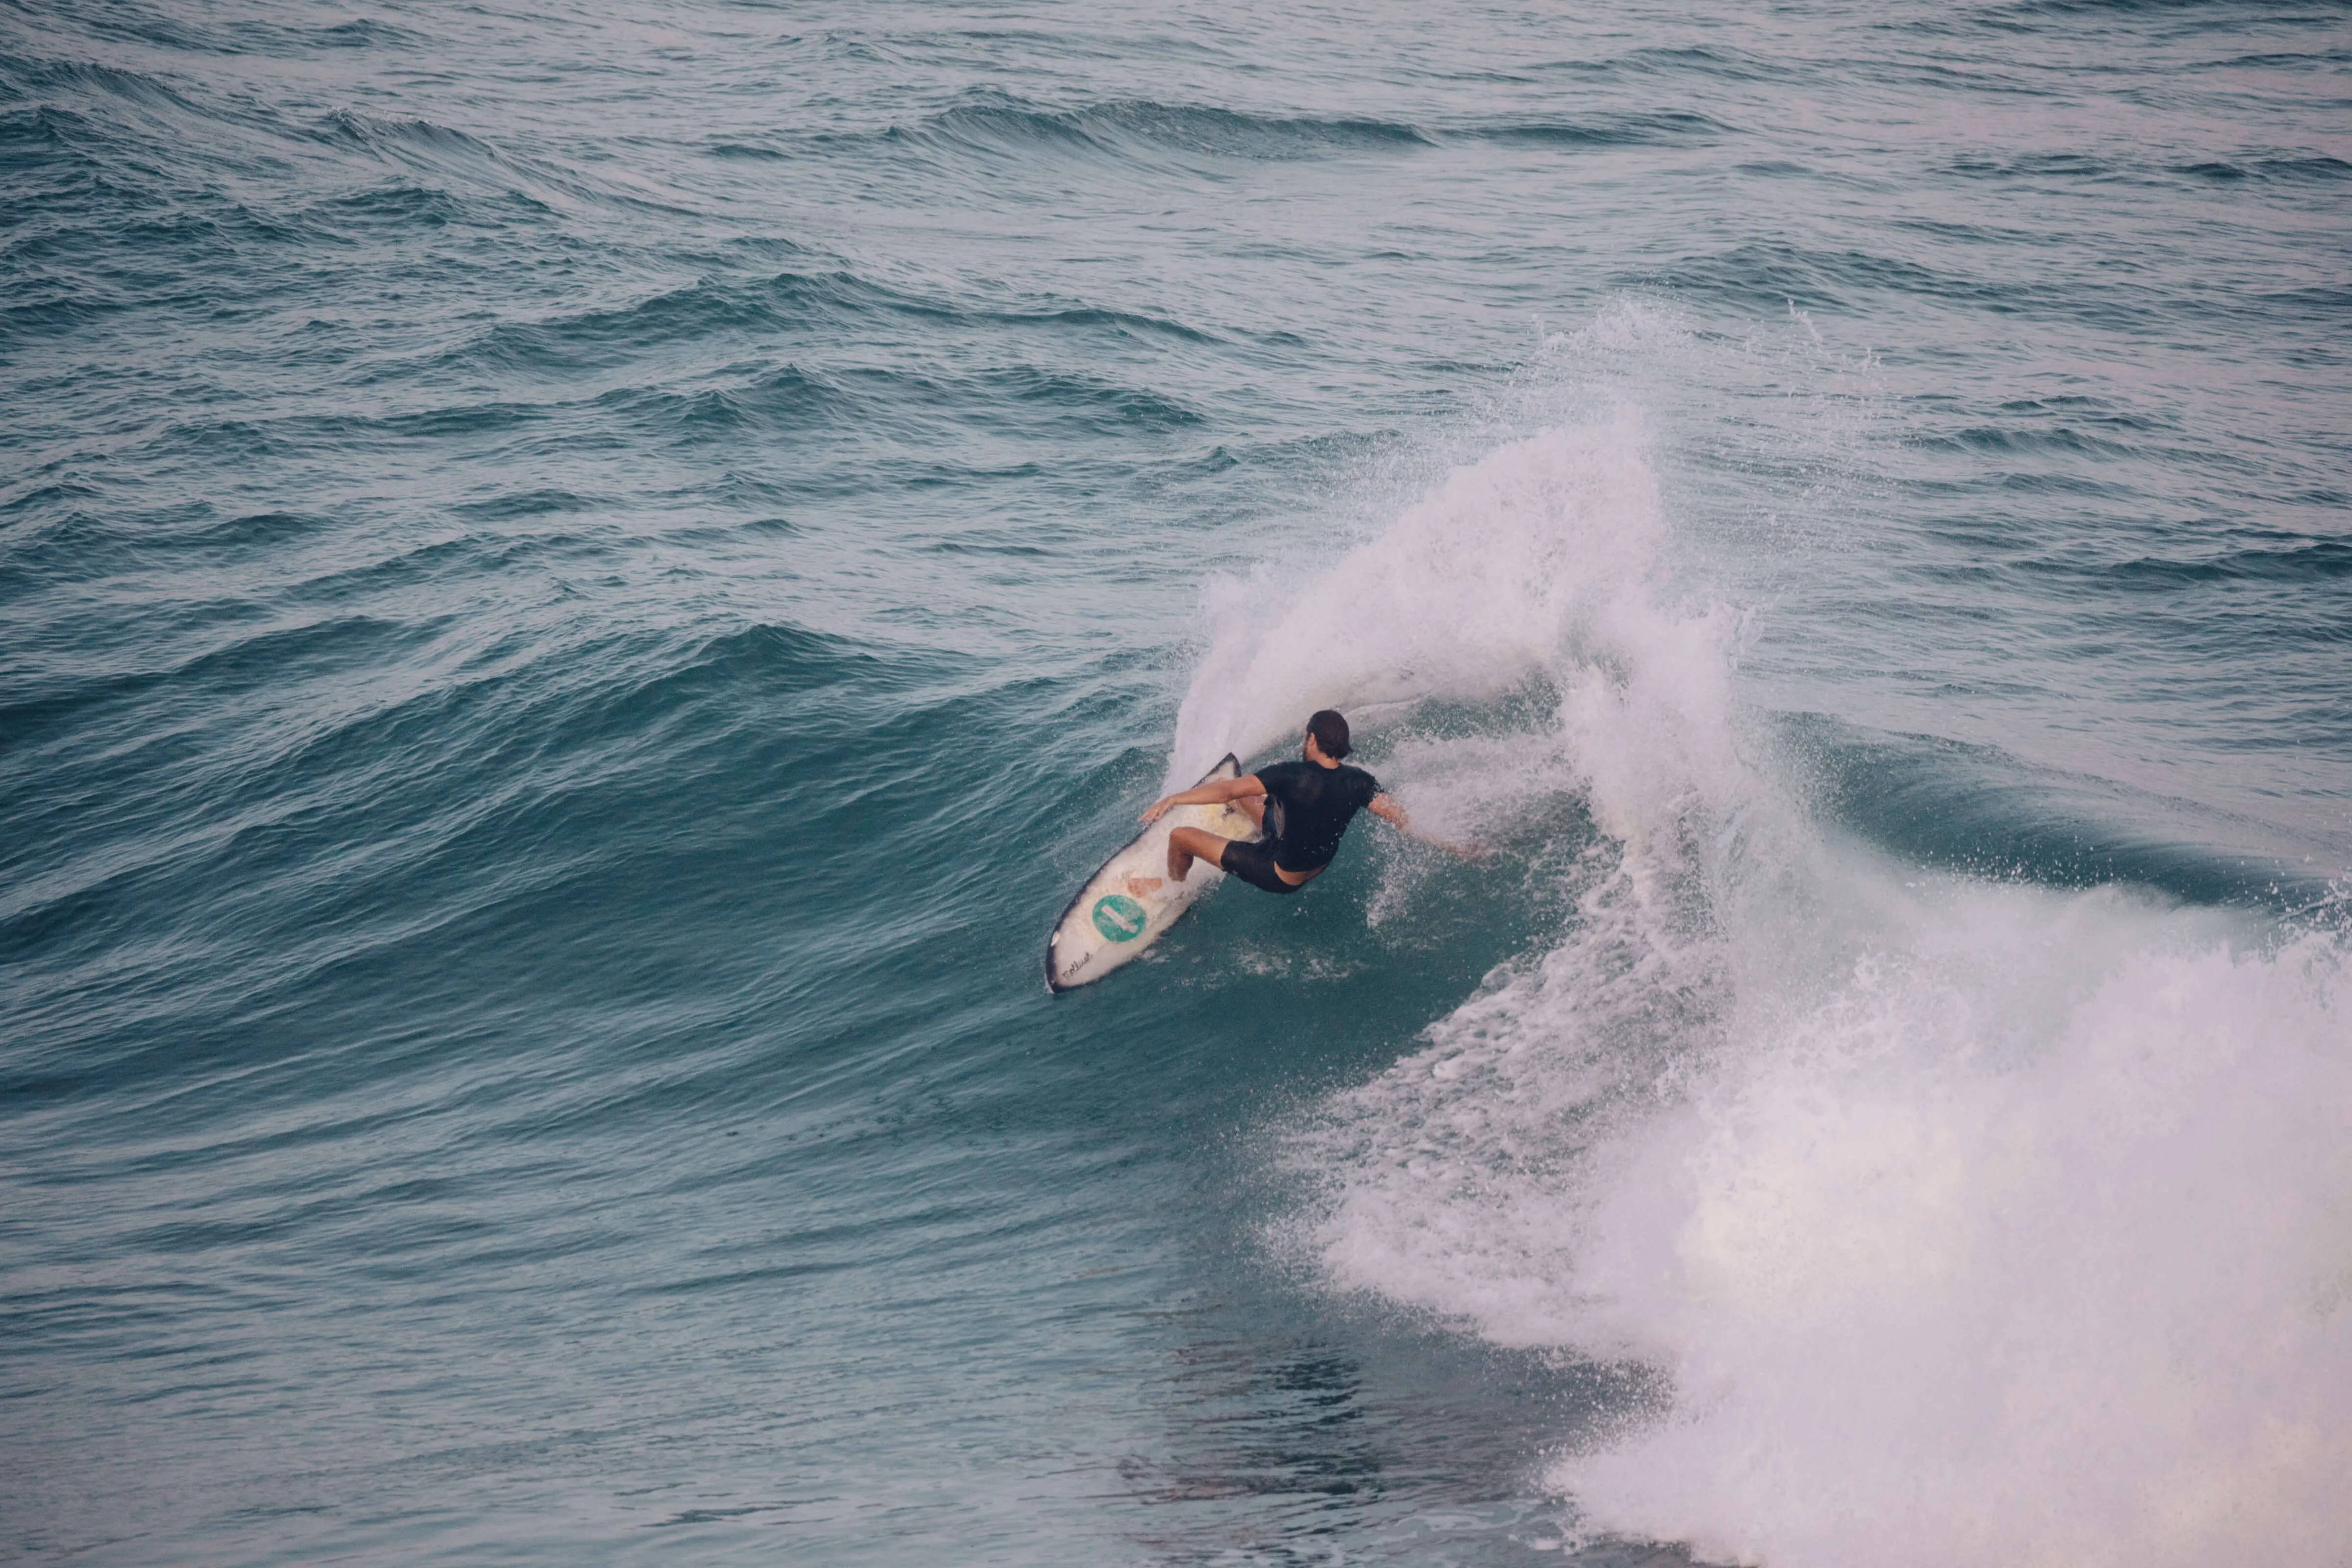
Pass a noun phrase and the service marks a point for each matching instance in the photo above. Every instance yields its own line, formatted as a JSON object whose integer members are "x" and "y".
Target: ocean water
{"x": 580, "y": 586}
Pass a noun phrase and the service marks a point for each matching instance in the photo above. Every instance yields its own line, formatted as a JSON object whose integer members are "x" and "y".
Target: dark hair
{"x": 1330, "y": 732}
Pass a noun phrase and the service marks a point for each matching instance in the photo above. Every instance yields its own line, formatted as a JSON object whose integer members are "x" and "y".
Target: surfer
{"x": 1300, "y": 808}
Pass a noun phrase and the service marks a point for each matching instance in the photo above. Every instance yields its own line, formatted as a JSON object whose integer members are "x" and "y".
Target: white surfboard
{"x": 1105, "y": 925}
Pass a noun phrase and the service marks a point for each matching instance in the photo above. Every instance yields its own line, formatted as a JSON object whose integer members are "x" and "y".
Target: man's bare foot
{"x": 1143, "y": 887}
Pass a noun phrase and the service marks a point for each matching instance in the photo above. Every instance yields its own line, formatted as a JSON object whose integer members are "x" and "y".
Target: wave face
{"x": 581, "y": 587}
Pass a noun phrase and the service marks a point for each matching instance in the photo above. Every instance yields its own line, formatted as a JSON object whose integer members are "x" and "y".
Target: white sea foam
{"x": 1966, "y": 1222}
{"x": 1507, "y": 565}
{"x": 2031, "y": 1242}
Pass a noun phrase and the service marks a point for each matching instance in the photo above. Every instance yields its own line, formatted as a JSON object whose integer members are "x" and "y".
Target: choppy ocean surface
{"x": 580, "y": 588}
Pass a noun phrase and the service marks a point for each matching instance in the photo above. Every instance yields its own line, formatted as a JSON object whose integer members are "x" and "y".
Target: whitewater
{"x": 1959, "y": 1220}
{"x": 582, "y": 585}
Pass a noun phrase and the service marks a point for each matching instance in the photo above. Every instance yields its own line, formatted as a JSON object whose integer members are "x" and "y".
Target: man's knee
{"x": 1198, "y": 843}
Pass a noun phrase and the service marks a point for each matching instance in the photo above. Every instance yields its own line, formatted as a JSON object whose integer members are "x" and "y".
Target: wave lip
{"x": 991, "y": 121}
{"x": 1641, "y": 128}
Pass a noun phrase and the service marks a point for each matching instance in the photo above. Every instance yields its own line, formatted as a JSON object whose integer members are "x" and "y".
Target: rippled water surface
{"x": 580, "y": 588}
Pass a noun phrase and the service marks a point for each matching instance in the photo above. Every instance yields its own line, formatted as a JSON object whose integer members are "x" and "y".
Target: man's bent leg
{"x": 1187, "y": 845}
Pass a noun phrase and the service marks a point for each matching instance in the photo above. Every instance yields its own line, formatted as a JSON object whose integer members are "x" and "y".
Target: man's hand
{"x": 1216, "y": 792}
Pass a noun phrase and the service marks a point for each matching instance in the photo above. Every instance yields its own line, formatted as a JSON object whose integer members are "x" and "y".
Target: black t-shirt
{"x": 1308, "y": 806}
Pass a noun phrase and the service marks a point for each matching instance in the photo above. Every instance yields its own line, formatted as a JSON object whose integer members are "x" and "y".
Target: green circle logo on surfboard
{"x": 1119, "y": 917}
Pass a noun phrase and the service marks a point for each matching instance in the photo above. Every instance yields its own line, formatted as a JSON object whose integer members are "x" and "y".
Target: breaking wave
{"x": 1952, "y": 1221}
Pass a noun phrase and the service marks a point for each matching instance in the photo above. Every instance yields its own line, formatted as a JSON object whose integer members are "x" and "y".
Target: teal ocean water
{"x": 582, "y": 585}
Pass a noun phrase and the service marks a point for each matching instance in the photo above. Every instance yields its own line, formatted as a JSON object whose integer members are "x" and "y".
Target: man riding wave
{"x": 1300, "y": 808}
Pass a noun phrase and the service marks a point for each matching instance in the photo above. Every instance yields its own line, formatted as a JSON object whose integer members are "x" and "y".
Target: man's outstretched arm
{"x": 1216, "y": 792}
{"x": 1389, "y": 811}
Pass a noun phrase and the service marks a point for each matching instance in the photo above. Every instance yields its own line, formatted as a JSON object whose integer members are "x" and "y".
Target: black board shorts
{"x": 1253, "y": 862}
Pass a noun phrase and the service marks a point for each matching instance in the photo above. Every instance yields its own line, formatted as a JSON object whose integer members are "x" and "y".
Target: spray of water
{"x": 1963, "y": 1223}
